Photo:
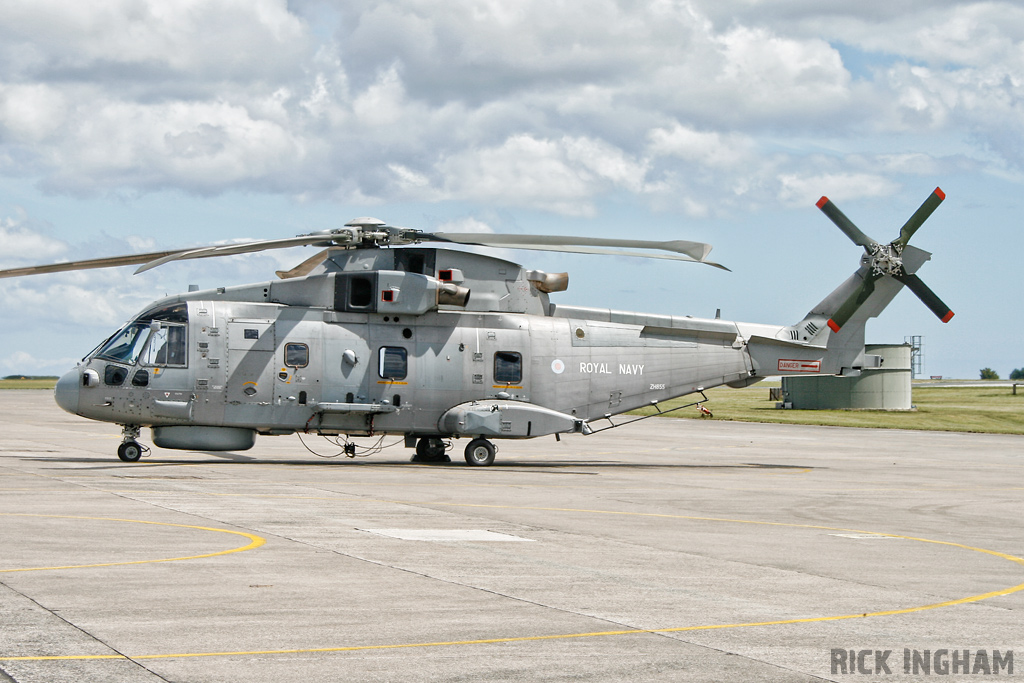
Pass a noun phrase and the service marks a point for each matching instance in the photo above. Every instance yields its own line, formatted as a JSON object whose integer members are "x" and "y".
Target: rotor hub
{"x": 885, "y": 259}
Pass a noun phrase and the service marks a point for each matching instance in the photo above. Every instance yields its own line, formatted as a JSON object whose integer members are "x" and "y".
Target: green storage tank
{"x": 884, "y": 388}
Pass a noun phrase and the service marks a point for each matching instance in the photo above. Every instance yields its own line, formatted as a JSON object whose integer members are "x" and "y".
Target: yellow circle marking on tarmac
{"x": 592, "y": 634}
{"x": 254, "y": 542}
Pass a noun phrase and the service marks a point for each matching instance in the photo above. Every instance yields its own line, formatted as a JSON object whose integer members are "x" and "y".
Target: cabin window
{"x": 508, "y": 367}
{"x": 394, "y": 362}
{"x": 296, "y": 355}
{"x": 166, "y": 345}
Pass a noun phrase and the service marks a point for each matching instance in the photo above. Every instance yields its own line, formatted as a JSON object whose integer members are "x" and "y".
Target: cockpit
{"x": 143, "y": 352}
{"x": 158, "y": 337}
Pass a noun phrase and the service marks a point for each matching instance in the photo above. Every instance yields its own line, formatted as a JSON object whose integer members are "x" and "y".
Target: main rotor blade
{"x": 690, "y": 251}
{"x": 108, "y": 262}
{"x": 306, "y": 267}
{"x": 927, "y": 296}
{"x": 232, "y": 249}
{"x": 845, "y": 224}
{"x": 697, "y": 251}
{"x": 920, "y": 216}
{"x": 571, "y": 249}
{"x": 853, "y": 302}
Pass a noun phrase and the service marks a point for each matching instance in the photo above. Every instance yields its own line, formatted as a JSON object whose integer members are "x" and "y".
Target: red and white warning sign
{"x": 786, "y": 365}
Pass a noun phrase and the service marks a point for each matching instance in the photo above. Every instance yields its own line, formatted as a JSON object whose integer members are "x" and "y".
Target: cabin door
{"x": 298, "y": 371}
{"x": 250, "y": 362}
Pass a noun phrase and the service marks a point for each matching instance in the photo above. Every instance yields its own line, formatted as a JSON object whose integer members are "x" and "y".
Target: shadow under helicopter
{"x": 103, "y": 463}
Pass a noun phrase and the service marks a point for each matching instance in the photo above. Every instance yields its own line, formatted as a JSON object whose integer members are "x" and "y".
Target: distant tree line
{"x": 989, "y": 373}
{"x": 31, "y": 377}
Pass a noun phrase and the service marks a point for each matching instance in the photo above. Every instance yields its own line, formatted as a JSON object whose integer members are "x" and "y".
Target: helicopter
{"x": 380, "y": 334}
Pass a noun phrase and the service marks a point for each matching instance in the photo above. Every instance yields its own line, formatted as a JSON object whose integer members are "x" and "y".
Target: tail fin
{"x": 845, "y": 345}
{"x": 832, "y": 333}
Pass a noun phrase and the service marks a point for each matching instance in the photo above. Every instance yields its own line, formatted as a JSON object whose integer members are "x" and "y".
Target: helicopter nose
{"x": 66, "y": 391}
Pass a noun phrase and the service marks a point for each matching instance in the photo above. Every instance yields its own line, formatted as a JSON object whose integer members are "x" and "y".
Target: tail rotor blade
{"x": 927, "y": 296}
{"x": 845, "y": 224}
{"x": 852, "y": 303}
{"x": 920, "y": 216}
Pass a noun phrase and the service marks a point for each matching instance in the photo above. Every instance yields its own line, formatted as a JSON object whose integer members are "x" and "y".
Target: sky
{"x": 140, "y": 125}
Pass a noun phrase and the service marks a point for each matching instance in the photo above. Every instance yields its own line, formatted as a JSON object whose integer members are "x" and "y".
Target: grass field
{"x": 27, "y": 383}
{"x": 956, "y": 409}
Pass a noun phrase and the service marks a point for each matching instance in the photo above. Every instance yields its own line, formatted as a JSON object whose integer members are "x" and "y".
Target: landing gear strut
{"x": 430, "y": 450}
{"x": 130, "y": 450}
{"x": 480, "y": 453}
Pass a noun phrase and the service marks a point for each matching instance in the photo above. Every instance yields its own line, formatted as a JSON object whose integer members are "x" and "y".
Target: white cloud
{"x": 782, "y": 73}
{"x": 383, "y": 103}
{"x": 32, "y": 113}
{"x": 708, "y": 148}
{"x": 804, "y": 190}
{"x": 606, "y": 163}
{"x": 217, "y": 38}
{"x": 85, "y": 303}
{"x": 524, "y": 170}
{"x": 465, "y": 224}
{"x": 563, "y": 175}
{"x": 24, "y": 363}
{"x": 533, "y": 105}
{"x": 19, "y": 242}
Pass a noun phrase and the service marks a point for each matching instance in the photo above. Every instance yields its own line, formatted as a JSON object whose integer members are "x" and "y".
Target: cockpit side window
{"x": 167, "y": 345}
{"x": 126, "y": 345}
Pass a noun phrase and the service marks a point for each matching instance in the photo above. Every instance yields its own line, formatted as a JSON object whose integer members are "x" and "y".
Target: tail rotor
{"x": 883, "y": 260}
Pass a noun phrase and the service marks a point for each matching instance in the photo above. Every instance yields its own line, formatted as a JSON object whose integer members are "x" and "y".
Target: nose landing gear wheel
{"x": 480, "y": 453}
{"x": 129, "y": 451}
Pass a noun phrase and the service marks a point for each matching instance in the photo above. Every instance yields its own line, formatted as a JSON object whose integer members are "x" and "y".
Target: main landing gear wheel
{"x": 480, "y": 453}
{"x": 129, "y": 451}
{"x": 430, "y": 450}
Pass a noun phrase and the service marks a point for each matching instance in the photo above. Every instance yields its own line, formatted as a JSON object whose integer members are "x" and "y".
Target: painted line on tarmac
{"x": 254, "y": 542}
{"x": 592, "y": 634}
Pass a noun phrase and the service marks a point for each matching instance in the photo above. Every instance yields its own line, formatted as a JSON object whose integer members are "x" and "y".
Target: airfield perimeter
{"x": 668, "y": 550}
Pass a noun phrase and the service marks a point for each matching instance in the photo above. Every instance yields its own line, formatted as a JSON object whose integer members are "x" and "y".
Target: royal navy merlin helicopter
{"x": 378, "y": 335}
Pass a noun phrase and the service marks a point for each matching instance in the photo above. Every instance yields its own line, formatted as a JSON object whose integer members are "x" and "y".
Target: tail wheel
{"x": 129, "y": 451}
{"x": 480, "y": 453}
{"x": 430, "y": 450}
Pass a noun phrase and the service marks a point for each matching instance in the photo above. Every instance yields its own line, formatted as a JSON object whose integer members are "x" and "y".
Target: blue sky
{"x": 136, "y": 125}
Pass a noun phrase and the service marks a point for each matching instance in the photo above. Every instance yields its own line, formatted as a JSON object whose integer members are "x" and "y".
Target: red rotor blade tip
{"x": 946, "y": 318}
{"x": 832, "y": 325}
{"x": 939, "y": 193}
{"x": 822, "y": 202}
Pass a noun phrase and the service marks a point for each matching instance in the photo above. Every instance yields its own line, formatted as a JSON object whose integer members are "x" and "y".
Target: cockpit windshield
{"x": 164, "y": 328}
{"x": 126, "y": 345}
